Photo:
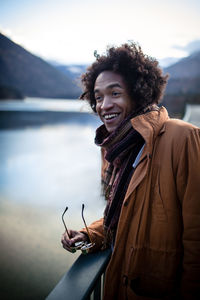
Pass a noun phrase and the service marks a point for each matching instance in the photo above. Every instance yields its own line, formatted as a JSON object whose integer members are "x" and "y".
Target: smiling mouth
{"x": 110, "y": 116}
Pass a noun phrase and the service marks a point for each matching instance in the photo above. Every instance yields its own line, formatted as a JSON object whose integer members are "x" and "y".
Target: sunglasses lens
{"x": 86, "y": 247}
{"x": 78, "y": 245}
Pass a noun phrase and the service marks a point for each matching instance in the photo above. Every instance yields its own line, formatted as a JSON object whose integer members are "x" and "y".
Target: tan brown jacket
{"x": 157, "y": 248}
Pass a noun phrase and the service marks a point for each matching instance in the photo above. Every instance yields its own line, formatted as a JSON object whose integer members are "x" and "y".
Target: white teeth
{"x": 110, "y": 116}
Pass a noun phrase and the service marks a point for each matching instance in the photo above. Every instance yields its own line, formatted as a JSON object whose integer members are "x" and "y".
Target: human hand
{"x": 68, "y": 241}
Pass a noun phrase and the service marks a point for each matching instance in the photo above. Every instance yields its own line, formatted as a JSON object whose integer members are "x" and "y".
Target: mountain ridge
{"x": 32, "y": 75}
{"x": 186, "y": 67}
{"x": 183, "y": 85}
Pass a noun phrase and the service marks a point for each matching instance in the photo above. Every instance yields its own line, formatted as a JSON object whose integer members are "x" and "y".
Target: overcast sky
{"x": 70, "y": 31}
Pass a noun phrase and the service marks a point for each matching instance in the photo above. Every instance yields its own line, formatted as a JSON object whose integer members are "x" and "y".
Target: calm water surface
{"x": 43, "y": 169}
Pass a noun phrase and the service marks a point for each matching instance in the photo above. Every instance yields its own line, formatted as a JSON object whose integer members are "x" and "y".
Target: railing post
{"x": 97, "y": 290}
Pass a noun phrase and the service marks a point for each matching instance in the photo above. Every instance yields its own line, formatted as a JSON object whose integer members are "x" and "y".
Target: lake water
{"x": 48, "y": 161}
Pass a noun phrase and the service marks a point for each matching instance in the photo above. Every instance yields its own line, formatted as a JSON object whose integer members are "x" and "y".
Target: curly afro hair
{"x": 144, "y": 78}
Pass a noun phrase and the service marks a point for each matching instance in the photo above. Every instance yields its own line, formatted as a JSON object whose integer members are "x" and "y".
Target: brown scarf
{"x": 122, "y": 147}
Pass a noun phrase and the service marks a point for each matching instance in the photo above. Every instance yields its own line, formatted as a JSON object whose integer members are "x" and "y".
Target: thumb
{"x": 73, "y": 241}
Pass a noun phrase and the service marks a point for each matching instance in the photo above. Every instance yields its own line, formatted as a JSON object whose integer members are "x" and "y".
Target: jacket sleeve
{"x": 188, "y": 187}
{"x": 96, "y": 234}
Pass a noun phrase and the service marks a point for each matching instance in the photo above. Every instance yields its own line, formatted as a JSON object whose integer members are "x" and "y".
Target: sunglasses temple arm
{"x": 65, "y": 224}
{"x": 86, "y": 225}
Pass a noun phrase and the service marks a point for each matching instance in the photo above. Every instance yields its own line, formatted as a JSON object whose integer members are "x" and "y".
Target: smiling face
{"x": 113, "y": 104}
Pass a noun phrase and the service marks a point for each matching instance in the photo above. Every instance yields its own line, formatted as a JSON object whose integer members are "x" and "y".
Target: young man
{"x": 150, "y": 178}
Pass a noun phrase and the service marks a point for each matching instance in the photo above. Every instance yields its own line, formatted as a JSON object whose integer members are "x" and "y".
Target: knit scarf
{"x": 122, "y": 147}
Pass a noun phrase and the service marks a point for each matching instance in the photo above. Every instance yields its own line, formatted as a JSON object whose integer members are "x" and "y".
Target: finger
{"x": 69, "y": 249}
{"x": 66, "y": 245}
{"x": 68, "y": 236}
{"x": 65, "y": 238}
{"x": 65, "y": 242}
{"x": 77, "y": 238}
{"x": 72, "y": 233}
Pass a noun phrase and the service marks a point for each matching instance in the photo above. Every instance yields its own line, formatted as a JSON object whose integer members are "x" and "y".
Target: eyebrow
{"x": 110, "y": 86}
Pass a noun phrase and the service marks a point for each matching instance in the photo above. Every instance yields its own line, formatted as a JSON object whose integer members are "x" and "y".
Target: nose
{"x": 107, "y": 103}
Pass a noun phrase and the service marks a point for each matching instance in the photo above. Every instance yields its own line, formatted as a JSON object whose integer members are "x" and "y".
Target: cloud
{"x": 190, "y": 47}
{"x": 16, "y": 38}
{"x": 6, "y": 31}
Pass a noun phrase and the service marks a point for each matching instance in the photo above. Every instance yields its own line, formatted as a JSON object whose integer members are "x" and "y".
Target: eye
{"x": 115, "y": 93}
{"x": 98, "y": 98}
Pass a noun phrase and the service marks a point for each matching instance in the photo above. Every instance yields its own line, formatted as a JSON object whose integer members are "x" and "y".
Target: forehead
{"x": 107, "y": 79}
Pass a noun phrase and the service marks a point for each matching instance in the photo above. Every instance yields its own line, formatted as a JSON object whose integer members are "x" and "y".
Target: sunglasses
{"x": 83, "y": 246}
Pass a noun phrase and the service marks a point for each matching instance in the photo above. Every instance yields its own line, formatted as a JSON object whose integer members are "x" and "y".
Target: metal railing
{"x": 84, "y": 280}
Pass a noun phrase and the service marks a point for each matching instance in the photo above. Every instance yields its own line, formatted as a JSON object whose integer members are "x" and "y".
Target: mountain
{"x": 168, "y": 61}
{"x": 184, "y": 83}
{"x": 73, "y": 71}
{"x": 31, "y": 75}
{"x": 186, "y": 67}
{"x": 8, "y": 92}
{"x": 185, "y": 75}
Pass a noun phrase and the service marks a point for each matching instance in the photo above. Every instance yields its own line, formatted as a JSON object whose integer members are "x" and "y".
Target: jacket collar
{"x": 150, "y": 125}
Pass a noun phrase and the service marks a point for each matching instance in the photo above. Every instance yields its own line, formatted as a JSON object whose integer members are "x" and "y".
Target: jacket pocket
{"x": 149, "y": 287}
{"x": 153, "y": 273}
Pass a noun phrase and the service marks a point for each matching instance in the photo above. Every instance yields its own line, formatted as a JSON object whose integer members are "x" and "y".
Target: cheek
{"x": 126, "y": 108}
{"x": 126, "y": 104}
{"x": 98, "y": 110}
{"x": 130, "y": 106}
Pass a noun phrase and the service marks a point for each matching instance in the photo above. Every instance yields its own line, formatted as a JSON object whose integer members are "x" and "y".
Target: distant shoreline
{"x": 21, "y": 119}
{"x": 16, "y": 119}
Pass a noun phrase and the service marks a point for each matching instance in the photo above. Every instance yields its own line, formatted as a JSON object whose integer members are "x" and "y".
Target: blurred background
{"x": 48, "y": 159}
